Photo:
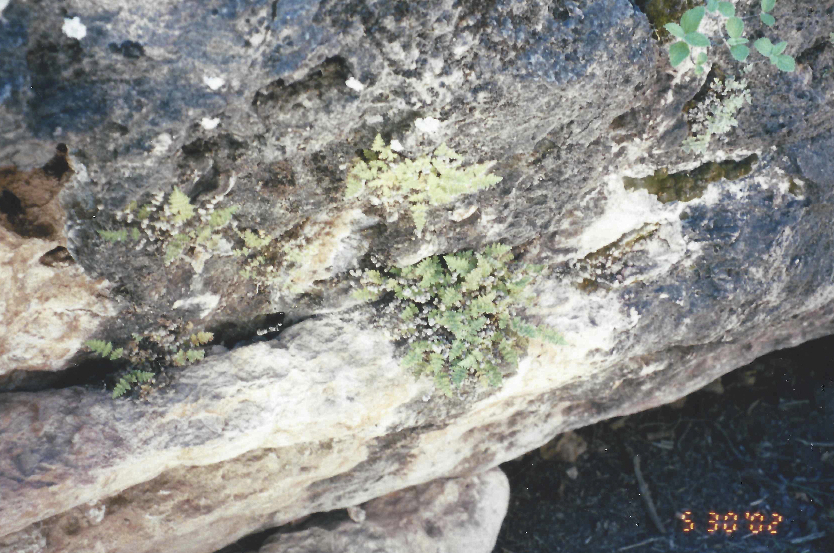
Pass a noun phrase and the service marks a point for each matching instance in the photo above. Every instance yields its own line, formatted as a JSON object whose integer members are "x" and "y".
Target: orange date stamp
{"x": 730, "y": 523}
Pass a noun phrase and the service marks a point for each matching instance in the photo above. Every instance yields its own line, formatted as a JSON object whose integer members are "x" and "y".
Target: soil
{"x": 758, "y": 440}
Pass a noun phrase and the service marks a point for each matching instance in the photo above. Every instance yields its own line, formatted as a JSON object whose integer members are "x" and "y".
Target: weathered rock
{"x": 447, "y": 516}
{"x": 659, "y": 286}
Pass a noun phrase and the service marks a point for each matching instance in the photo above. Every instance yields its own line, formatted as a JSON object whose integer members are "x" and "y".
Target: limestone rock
{"x": 446, "y": 516}
{"x": 664, "y": 270}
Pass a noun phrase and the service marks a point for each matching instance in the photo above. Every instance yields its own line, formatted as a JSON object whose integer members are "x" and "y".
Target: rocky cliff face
{"x": 665, "y": 269}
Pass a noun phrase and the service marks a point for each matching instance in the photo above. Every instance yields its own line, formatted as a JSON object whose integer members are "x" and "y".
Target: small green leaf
{"x": 114, "y": 235}
{"x": 767, "y": 19}
{"x": 699, "y": 69}
{"x": 697, "y": 39}
{"x": 691, "y": 19}
{"x": 739, "y": 52}
{"x": 195, "y": 355}
{"x": 701, "y": 58}
{"x": 767, "y": 5}
{"x": 764, "y": 46}
{"x": 726, "y": 9}
{"x": 220, "y": 217}
{"x": 737, "y": 41}
{"x": 180, "y": 206}
{"x": 179, "y": 358}
{"x": 201, "y": 338}
{"x": 678, "y": 52}
{"x": 675, "y": 30}
{"x": 778, "y": 48}
{"x": 712, "y": 5}
{"x": 734, "y": 26}
{"x": 785, "y": 63}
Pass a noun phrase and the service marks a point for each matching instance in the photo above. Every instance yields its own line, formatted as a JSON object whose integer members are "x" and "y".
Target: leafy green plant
{"x": 429, "y": 180}
{"x": 687, "y": 32}
{"x": 459, "y": 313}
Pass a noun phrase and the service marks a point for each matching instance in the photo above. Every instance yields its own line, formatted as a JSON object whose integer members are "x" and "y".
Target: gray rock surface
{"x": 659, "y": 286}
{"x": 444, "y": 516}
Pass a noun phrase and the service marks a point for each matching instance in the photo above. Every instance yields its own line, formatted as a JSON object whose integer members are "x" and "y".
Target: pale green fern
{"x": 459, "y": 313}
{"x": 429, "y": 180}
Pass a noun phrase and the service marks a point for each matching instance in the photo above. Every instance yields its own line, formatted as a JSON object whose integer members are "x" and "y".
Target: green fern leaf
{"x": 221, "y": 217}
{"x": 175, "y": 246}
{"x": 364, "y": 294}
{"x": 121, "y": 387}
{"x": 201, "y": 338}
{"x": 441, "y": 381}
{"x": 180, "y": 206}
{"x": 104, "y": 349}
{"x": 179, "y": 358}
{"x": 114, "y": 235}
{"x": 195, "y": 355}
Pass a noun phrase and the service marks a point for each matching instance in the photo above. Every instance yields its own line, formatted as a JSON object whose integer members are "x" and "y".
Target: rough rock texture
{"x": 658, "y": 285}
{"x": 48, "y": 305}
{"x": 446, "y": 516}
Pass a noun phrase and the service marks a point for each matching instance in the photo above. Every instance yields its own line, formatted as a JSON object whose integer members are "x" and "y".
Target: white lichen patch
{"x": 73, "y": 28}
{"x": 161, "y": 144}
{"x": 213, "y": 83}
{"x": 206, "y": 302}
{"x": 95, "y": 512}
{"x": 353, "y": 84}
{"x": 209, "y": 124}
{"x": 428, "y": 125}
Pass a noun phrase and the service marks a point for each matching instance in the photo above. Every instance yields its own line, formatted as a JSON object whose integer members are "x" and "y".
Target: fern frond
{"x": 195, "y": 355}
{"x": 219, "y": 217}
{"x": 126, "y": 382}
{"x": 114, "y": 235}
{"x": 201, "y": 338}
{"x": 364, "y": 294}
{"x": 175, "y": 247}
{"x": 524, "y": 329}
{"x": 104, "y": 349}
{"x": 180, "y": 206}
{"x": 179, "y": 358}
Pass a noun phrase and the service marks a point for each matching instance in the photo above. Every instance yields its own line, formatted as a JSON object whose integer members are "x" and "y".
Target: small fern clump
{"x": 128, "y": 380}
{"x": 459, "y": 314}
{"x": 149, "y": 354}
{"x": 428, "y": 180}
{"x": 176, "y": 225}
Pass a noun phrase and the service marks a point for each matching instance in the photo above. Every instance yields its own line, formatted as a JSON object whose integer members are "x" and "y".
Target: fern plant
{"x": 128, "y": 380}
{"x": 104, "y": 349}
{"x": 176, "y": 224}
{"x": 459, "y": 314}
{"x": 183, "y": 357}
{"x": 429, "y": 180}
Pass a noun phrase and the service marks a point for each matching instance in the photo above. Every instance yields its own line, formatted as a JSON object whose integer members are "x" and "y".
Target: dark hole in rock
{"x": 10, "y": 205}
{"x": 57, "y": 257}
